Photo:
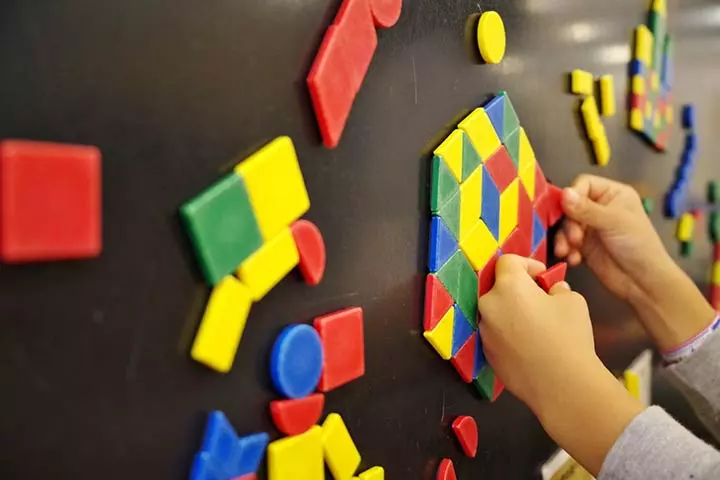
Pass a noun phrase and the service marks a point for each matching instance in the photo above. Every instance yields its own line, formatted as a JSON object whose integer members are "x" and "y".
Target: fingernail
{"x": 564, "y": 285}
{"x": 572, "y": 197}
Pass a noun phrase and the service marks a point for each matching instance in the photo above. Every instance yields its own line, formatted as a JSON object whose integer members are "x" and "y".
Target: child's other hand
{"x": 607, "y": 228}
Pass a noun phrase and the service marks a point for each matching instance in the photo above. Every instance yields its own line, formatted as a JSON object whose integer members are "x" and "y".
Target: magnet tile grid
{"x": 488, "y": 197}
{"x": 651, "y": 79}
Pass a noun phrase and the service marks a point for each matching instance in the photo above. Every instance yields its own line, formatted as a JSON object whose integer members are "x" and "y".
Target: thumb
{"x": 560, "y": 288}
{"x": 583, "y": 210}
{"x": 510, "y": 264}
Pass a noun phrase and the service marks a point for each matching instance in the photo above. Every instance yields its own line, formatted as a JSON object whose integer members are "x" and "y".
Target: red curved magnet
{"x": 446, "y": 470}
{"x": 553, "y": 275}
{"x": 466, "y": 432}
{"x": 385, "y": 12}
{"x": 296, "y": 416}
{"x": 311, "y": 247}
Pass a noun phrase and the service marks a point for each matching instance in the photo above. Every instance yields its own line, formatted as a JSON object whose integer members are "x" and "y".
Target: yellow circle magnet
{"x": 491, "y": 37}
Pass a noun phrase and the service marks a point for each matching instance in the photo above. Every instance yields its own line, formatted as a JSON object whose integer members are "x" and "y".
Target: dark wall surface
{"x": 95, "y": 376}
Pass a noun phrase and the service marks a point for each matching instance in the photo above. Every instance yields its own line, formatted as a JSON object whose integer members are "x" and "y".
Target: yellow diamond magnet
{"x": 297, "y": 458}
{"x": 491, "y": 37}
{"x": 451, "y": 150}
{"x": 222, "y": 324}
{"x": 341, "y": 454}
{"x": 275, "y": 186}
{"x": 264, "y": 269}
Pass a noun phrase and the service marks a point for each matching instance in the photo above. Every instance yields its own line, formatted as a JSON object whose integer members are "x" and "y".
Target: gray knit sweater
{"x": 656, "y": 447}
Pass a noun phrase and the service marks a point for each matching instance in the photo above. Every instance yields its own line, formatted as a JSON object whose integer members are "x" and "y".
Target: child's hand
{"x": 534, "y": 340}
{"x": 541, "y": 347}
{"x": 607, "y": 228}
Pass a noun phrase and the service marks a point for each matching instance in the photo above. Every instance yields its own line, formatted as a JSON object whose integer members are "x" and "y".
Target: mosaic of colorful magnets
{"x": 676, "y": 196}
{"x": 505, "y": 206}
{"x": 650, "y": 99}
{"x": 246, "y": 223}
{"x": 343, "y": 60}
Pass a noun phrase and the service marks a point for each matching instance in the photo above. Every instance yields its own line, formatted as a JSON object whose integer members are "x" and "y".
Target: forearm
{"x": 670, "y": 306}
{"x": 586, "y": 412}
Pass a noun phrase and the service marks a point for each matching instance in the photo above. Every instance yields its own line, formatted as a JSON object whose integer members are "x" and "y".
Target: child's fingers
{"x": 574, "y": 258}
{"x": 562, "y": 246}
{"x": 575, "y": 233}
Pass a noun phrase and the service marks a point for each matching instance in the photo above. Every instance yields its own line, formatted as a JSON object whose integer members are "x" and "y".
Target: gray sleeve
{"x": 698, "y": 378}
{"x": 654, "y": 446}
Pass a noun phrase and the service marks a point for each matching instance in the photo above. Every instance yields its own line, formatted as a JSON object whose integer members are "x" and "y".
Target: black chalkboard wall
{"x": 95, "y": 376}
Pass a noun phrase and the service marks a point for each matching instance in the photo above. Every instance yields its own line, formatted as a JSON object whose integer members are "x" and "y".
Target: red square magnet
{"x": 50, "y": 201}
{"x": 343, "y": 343}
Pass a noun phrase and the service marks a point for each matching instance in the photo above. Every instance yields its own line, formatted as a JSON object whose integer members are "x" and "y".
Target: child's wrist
{"x": 656, "y": 284}
{"x": 671, "y": 308}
